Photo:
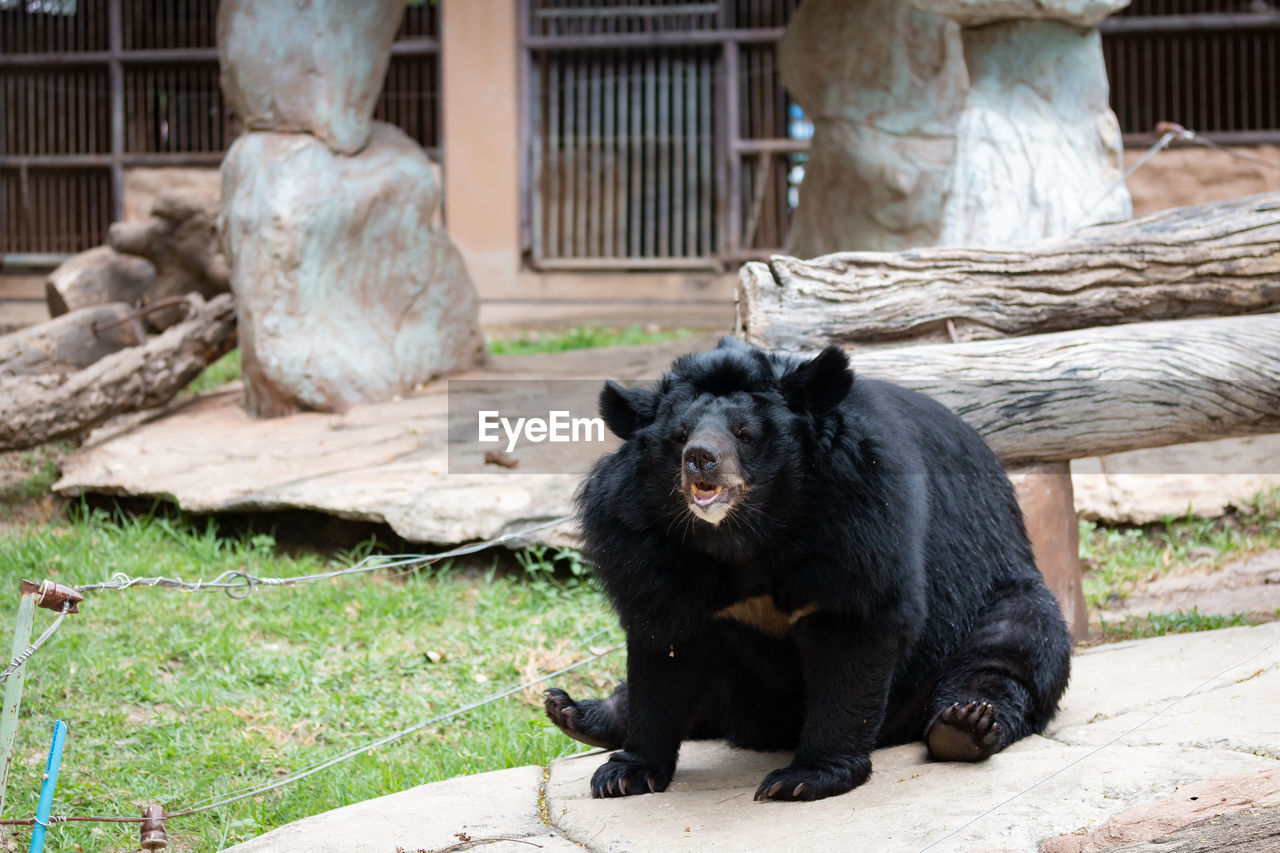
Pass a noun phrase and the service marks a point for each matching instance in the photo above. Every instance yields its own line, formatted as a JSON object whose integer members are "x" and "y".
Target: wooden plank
{"x": 1207, "y": 260}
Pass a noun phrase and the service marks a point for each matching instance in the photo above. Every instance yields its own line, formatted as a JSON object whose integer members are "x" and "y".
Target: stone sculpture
{"x": 347, "y": 288}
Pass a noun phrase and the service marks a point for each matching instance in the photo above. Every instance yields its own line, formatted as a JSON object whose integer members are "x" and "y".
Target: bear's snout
{"x": 701, "y": 458}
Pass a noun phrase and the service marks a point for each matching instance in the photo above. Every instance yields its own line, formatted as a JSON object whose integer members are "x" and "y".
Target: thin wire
{"x": 239, "y": 584}
{"x": 35, "y": 647}
{"x": 1239, "y": 155}
{"x": 1101, "y": 747}
{"x": 1161, "y": 144}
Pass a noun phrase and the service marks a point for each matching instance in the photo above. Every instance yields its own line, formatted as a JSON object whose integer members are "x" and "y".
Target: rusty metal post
{"x": 115, "y": 46}
{"x": 13, "y": 687}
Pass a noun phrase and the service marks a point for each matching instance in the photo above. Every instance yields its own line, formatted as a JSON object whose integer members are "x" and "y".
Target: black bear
{"x": 804, "y": 559}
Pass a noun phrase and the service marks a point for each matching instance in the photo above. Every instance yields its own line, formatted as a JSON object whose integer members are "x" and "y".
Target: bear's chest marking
{"x": 761, "y": 613}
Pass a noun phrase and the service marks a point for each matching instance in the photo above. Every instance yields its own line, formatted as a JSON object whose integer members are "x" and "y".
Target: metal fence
{"x": 89, "y": 88}
{"x": 1208, "y": 65}
{"x": 655, "y": 132}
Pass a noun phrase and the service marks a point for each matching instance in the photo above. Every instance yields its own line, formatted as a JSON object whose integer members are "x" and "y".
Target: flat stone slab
{"x": 1148, "y": 728}
{"x": 383, "y": 462}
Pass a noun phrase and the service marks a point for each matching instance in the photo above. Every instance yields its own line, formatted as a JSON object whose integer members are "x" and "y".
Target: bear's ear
{"x": 731, "y": 342}
{"x": 820, "y": 384}
{"x": 626, "y": 410}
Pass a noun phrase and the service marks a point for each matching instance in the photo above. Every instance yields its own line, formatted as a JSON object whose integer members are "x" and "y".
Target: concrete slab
{"x": 1141, "y": 720}
{"x": 500, "y": 805}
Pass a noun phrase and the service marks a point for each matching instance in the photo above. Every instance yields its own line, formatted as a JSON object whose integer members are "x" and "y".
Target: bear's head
{"x": 725, "y": 429}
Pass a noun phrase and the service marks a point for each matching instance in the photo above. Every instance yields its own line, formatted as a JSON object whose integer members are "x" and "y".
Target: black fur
{"x": 905, "y": 600}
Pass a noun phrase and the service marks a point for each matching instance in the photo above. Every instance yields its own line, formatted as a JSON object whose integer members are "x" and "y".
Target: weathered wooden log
{"x": 36, "y": 409}
{"x": 181, "y": 241}
{"x": 1068, "y": 395}
{"x": 1207, "y": 260}
{"x": 71, "y": 341}
{"x": 99, "y": 275}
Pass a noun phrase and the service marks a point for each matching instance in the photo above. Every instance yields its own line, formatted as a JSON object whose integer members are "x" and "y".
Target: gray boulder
{"x": 883, "y": 84}
{"x": 311, "y": 65}
{"x": 346, "y": 291}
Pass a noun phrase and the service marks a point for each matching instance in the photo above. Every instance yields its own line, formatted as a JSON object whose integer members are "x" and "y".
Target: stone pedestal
{"x": 1038, "y": 150}
{"x": 882, "y": 83}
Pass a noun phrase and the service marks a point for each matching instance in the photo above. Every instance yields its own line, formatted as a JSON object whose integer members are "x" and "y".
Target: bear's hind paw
{"x": 966, "y": 732}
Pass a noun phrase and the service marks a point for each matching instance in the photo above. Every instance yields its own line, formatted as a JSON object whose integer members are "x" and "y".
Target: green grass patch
{"x": 1178, "y": 622}
{"x": 584, "y": 337}
{"x": 176, "y": 697}
{"x": 1116, "y": 558}
{"x": 222, "y": 371}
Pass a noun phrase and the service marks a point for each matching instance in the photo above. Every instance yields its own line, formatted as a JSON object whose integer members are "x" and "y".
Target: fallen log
{"x": 40, "y": 408}
{"x": 180, "y": 239}
{"x": 97, "y": 276}
{"x": 70, "y": 342}
{"x": 1068, "y": 395}
{"x": 1208, "y": 260}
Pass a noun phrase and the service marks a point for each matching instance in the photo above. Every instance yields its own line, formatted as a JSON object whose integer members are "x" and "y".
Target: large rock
{"x": 180, "y": 239}
{"x": 346, "y": 291}
{"x": 97, "y": 276}
{"x": 1038, "y": 150}
{"x": 307, "y": 65}
{"x": 883, "y": 84}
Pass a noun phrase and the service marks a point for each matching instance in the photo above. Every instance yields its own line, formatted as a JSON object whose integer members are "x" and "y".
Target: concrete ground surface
{"x": 1170, "y": 743}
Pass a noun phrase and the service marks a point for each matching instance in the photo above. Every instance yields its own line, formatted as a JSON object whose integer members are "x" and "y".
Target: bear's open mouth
{"x": 706, "y": 494}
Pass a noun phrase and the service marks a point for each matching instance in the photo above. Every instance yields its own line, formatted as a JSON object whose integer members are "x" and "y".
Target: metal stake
{"x": 13, "y": 687}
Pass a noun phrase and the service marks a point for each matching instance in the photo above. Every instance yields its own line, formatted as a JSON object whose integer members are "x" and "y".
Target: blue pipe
{"x": 46, "y": 789}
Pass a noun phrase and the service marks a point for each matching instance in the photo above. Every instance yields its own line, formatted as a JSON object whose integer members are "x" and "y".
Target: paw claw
{"x": 796, "y": 791}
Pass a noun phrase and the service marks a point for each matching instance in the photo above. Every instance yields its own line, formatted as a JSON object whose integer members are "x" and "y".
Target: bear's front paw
{"x": 814, "y": 782}
{"x": 627, "y": 773}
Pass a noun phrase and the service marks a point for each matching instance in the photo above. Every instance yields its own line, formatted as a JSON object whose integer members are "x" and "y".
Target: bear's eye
{"x": 742, "y": 434}
{"x": 681, "y": 436}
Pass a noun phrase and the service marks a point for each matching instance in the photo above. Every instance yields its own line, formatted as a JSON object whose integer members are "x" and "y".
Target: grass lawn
{"x": 1115, "y": 559}
{"x": 176, "y": 697}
